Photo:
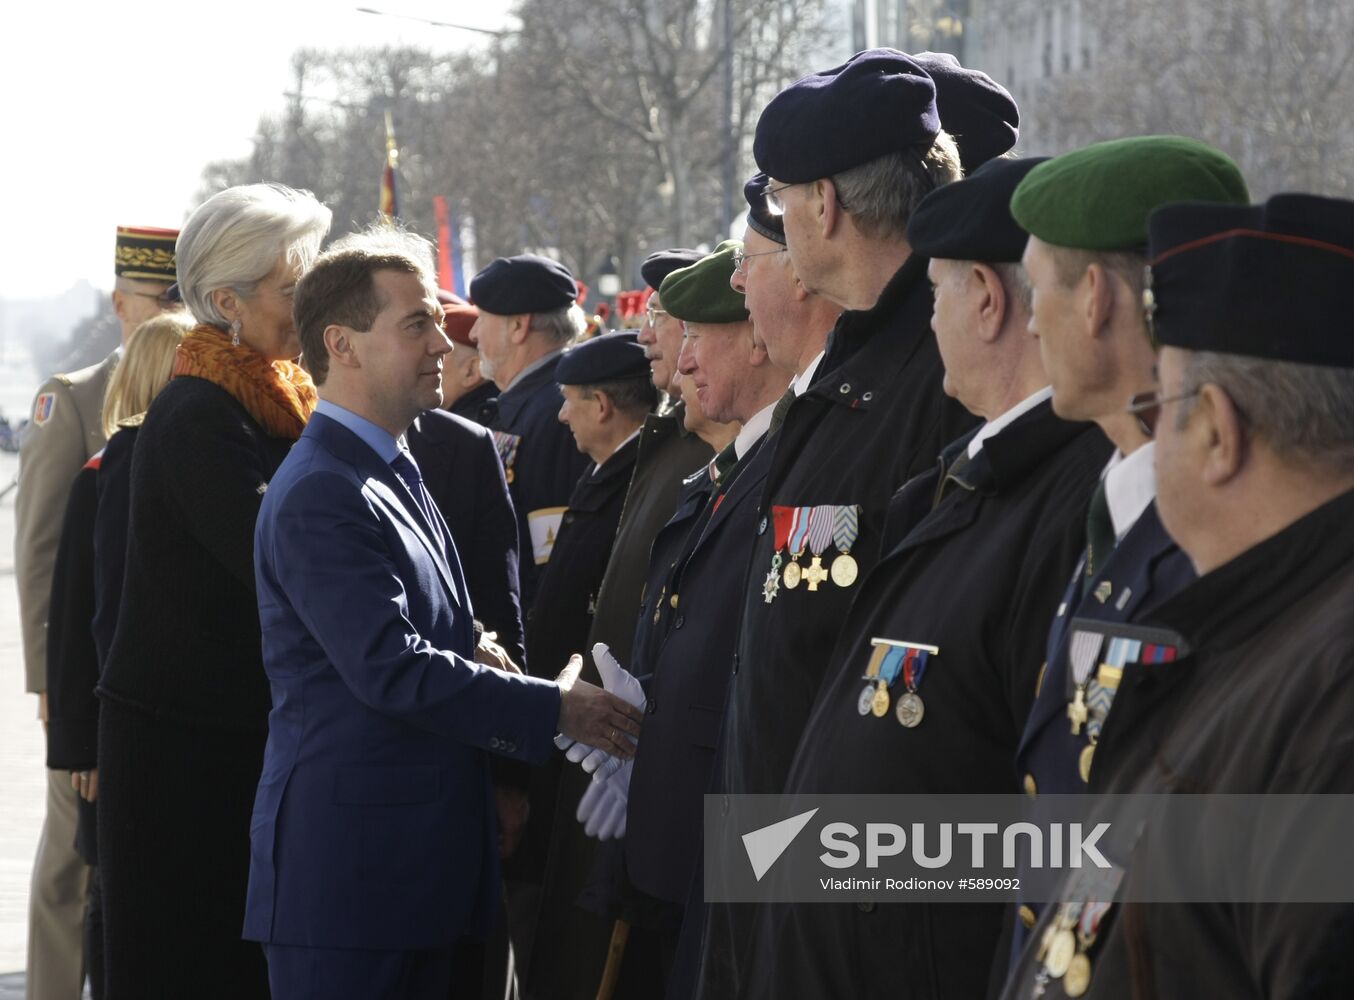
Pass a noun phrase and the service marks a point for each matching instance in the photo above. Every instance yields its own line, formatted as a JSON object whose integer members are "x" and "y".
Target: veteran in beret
{"x": 1086, "y": 212}
{"x": 1254, "y": 428}
{"x": 931, "y": 681}
{"x": 849, "y": 154}
{"x": 465, "y": 390}
{"x": 528, "y": 315}
{"x": 65, "y": 431}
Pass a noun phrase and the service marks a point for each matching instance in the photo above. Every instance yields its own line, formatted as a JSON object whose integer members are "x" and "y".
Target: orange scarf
{"x": 279, "y": 395}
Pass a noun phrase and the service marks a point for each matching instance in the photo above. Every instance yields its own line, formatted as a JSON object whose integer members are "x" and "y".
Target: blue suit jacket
{"x": 373, "y": 826}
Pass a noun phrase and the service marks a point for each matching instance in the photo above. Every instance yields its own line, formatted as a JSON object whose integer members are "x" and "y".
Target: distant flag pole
{"x": 390, "y": 206}
{"x": 450, "y": 262}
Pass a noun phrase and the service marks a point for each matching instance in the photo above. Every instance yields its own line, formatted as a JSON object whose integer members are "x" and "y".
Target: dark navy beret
{"x": 878, "y": 102}
{"x": 760, "y": 220}
{"x": 1257, "y": 280}
{"x": 971, "y": 219}
{"x": 975, "y": 109}
{"x": 526, "y": 283}
{"x": 658, "y": 266}
{"x": 606, "y": 358}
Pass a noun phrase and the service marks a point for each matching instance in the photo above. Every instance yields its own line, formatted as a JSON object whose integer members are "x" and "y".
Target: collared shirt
{"x": 536, "y": 365}
{"x": 993, "y": 427}
{"x": 750, "y": 433}
{"x": 376, "y": 438}
{"x": 628, "y": 438}
{"x": 805, "y": 379}
{"x": 1130, "y": 485}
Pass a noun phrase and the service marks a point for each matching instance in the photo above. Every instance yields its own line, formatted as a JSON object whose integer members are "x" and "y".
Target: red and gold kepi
{"x": 145, "y": 254}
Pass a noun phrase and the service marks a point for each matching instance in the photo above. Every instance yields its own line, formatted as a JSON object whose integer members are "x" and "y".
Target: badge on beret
{"x": 43, "y": 408}
{"x": 544, "y": 525}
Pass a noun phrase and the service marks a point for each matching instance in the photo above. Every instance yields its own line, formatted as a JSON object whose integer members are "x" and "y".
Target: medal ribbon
{"x": 1091, "y": 916}
{"x": 1082, "y": 650}
{"x": 507, "y": 447}
{"x": 892, "y": 663}
{"x": 799, "y": 530}
{"x": 845, "y": 527}
{"x": 876, "y": 659}
{"x": 914, "y": 666}
{"x": 1122, "y": 651}
{"x": 783, "y": 517}
{"x": 1099, "y": 698}
{"x": 821, "y": 526}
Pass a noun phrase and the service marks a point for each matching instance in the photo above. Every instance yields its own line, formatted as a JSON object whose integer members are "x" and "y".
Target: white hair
{"x": 234, "y": 239}
{"x": 561, "y": 326}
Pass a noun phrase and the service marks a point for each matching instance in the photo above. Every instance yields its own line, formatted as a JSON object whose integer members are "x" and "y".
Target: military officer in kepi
{"x": 1251, "y": 694}
{"x": 849, "y": 153}
{"x": 1087, "y": 214}
{"x": 527, "y": 317}
{"x": 65, "y": 431}
{"x": 934, "y": 672}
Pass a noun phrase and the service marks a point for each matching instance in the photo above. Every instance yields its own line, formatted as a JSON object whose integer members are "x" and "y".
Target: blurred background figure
{"x": 465, "y": 390}
{"x": 80, "y": 591}
{"x": 184, "y": 698}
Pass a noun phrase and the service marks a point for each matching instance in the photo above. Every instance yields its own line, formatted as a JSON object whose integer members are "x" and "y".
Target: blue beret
{"x": 658, "y": 266}
{"x": 760, "y": 220}
{"x": 1262, "y": 281}
{"x": 878, "y": 102}
{"x": 607, "y": 358}
{"x": 977, "y": 111}
{"x": 526, "y": 283}
{"x": 971, "y": 219}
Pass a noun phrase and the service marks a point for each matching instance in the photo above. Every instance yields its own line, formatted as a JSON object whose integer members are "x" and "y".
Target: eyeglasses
{"x": 652, "y": 312}
{"x": 1146, "y": 406}
{"x": 774, "y": 203}
{"x": 740, "y": 259}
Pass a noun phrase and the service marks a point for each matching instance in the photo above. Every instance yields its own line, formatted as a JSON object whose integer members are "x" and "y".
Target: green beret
{"x": 701, "y": 293}
{"x": 1099, "y": 197}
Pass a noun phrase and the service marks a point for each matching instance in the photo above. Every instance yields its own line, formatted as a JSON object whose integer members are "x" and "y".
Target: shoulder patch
{"x": 43, "y": 407}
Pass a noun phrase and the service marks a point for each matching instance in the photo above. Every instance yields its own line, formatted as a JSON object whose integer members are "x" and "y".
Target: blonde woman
{"x": 81, "y": 588}
{"x": 183, "y": 698}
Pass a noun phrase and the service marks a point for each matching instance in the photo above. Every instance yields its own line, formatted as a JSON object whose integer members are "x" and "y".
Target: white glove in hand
{"x": 603, "y": 806}
{"x": 620, "y": 682}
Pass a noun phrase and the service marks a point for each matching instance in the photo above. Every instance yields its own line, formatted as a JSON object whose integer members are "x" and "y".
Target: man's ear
{"x": 992, "y": 304}
{"x": 1221, "y": 433}
{"x": 1097, "y": 293}
{"x": 341, "y": 344}
{"x": 120, "y": 305}
{"x": 518, "y": 328}
{"x": 828, "y": 214}
{"x": 606, "y": 407}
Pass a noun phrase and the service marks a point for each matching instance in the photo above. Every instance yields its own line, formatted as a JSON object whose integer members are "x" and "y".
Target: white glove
{"x": 603, "y": 806}
{"x": 623, "y": 684}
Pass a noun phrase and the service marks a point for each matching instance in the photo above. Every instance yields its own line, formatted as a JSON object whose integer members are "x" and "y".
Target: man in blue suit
{"x": 373, "y": 835}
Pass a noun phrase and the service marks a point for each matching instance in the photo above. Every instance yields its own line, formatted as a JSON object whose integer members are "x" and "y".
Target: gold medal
{"x": 910, "y": 710}
{"x": 1084, "y": 762}
{"x": 1076, "y": 710}
{"x": 1061, "y": 950}
{"x": 815, "y": 574}
{"x": 844, "y": 570}
{"x": 793, "y": 573}
{"x": 879, "y": 703}
{"x": 866, "y": 700}
{"x": 1077, "y": 979}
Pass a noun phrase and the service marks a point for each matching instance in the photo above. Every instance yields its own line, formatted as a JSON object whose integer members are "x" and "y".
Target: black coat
{"x": 185, "y": 702}
{"x": 560, "y": 621}
{"x": 875, "y": 416}
{"x": 1259, "y": 701}
{"x": 471, "y": 405}
{"x": 542, "y": 466}
{"x": 460, "y": 468}
{"x": 110, "y": 531}
{"x": 978, "y": 578}
{"x": 668, "y": 453}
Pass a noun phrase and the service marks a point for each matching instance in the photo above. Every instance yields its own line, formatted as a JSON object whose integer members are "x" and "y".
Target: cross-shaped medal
{"x": 1076, "y": 710}
{"x": 815, "y": 574}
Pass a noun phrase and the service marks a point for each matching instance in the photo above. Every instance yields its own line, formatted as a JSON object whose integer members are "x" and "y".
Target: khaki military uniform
{"x": 65, "y": 429}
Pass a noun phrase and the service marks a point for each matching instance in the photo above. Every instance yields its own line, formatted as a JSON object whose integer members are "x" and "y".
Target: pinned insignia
{"x": 43, "y": 408}
{"x": 261, "y": 489}
{"x": 543, "y": 526}
{"x": 507, "y": 445}
{"x": 889, "y": 660}
{"x": 1103, "y": 590}
{"x": 813, "y": 529}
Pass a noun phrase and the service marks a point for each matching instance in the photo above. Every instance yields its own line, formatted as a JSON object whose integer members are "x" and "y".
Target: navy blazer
{"x": 373, "y": 826}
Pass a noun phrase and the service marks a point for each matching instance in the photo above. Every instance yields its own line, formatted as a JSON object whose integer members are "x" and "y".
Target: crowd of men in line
{"x": 882, "y": 498}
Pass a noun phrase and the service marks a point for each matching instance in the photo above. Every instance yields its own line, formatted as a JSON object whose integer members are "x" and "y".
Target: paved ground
{"x": 21, "y": 756}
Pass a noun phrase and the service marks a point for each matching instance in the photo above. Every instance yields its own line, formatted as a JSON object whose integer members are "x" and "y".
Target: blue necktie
{"x": 407, "y": 470}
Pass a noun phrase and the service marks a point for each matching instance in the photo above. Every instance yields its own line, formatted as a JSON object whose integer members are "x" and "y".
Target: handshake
{"x": 602, "y": 808}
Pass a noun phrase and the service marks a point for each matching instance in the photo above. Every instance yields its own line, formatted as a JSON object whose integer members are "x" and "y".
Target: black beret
{"x": 971, "y": 219}
{"x": 878, "y": 102}
{"x": 526, "y": 283}
{"x": 975, "y": 109}
{"x": 1259, "y": 280}
{"x": 607, "y": 358}
{"x": 760, "y": 220}
{"x": 658, "y": 266}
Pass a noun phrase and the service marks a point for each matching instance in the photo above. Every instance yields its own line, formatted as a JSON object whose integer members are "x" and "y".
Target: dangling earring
{"x": 235, "y": 332}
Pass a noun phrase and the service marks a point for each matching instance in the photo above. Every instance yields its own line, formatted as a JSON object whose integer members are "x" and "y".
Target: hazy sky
{"x": 111, "y": 109}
